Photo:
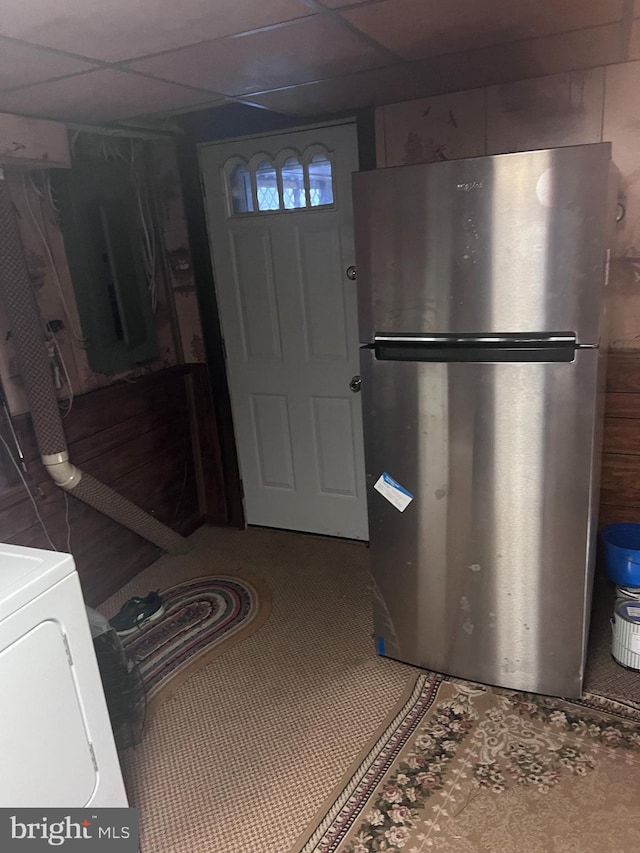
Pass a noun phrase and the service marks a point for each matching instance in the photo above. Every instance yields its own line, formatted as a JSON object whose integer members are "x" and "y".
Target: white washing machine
{"x": 56, "y": 744}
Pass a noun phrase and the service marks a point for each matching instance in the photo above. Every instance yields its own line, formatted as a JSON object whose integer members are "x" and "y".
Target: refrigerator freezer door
{"x": 486, "y": 573}
{"x": 510, "y": 243}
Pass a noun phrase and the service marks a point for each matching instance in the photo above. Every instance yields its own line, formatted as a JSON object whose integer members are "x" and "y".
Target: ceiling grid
{"x": 90, "y": 61}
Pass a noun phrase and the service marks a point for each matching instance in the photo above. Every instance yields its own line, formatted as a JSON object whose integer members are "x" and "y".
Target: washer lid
{"x": 26, "y": 573}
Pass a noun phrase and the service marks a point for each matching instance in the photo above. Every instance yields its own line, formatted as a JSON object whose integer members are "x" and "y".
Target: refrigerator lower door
{"x": 487, "y": 572}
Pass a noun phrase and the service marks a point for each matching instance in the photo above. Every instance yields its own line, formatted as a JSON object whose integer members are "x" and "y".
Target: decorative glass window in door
{"x": 288, "y": 182}
{"x": 240, "y": 189}
{"x": 267, "y": 187}
{"x": 320, "y": 180}
{"x": 293, "y": 189}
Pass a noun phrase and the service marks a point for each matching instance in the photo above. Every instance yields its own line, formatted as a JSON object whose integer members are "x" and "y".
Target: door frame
{"x": 195, "y": 137}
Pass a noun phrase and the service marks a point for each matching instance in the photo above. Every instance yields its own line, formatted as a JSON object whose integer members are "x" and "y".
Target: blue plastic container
{"x": 622, "y": 553}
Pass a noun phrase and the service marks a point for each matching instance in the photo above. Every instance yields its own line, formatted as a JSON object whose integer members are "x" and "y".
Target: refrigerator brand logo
{"x": 467, "y": 186}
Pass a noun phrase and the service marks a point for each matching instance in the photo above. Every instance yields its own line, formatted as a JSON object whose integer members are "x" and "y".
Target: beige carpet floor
{"x": 241, "y": 757}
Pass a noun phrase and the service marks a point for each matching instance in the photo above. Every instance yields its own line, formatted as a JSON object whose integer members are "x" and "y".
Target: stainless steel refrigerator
{"x": 481, "y": 288}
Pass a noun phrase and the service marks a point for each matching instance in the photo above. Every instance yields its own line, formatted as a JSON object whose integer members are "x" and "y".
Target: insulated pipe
{"x": 38, "y": 382}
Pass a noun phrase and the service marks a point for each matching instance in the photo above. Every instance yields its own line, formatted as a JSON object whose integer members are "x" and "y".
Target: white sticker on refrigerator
{"x": 393, "y": 492}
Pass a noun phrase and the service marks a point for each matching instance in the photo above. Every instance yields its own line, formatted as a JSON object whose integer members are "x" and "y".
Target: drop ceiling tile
{"x": 369, "y": 88}
{"x": 114, "y": 30}
{"x": 450, "y": 73}
{"x": 213, "y": 102}
{"x": 293, "y": 53}
{"x": 21, "y": 65}
{"x": 547, "y": 112}
{"x": 585, "y": 48}
{"x": 420, "y": 28}
{"x": 99, "y": 96}
{"x": 522, "y": 60}
{"x": 445, "y": 127}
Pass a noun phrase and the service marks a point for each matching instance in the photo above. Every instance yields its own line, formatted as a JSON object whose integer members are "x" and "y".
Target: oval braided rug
{"x": 202, "y": 618}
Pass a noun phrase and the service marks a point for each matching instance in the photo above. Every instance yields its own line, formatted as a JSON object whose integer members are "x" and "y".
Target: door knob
{"x": 355, "y": 384}
{"x": 351, "y": 273}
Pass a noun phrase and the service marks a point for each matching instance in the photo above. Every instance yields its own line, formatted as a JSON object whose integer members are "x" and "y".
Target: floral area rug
{"x": 202, "y": 618}
{"x": 463, "y": 768}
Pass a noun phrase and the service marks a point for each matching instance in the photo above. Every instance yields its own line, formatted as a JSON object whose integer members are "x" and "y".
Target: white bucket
{"x": 632, "y": 592}
{"x": 626, "y": 633}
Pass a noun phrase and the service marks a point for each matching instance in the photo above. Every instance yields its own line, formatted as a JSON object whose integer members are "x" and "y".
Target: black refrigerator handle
{"x": 507, "y": 347}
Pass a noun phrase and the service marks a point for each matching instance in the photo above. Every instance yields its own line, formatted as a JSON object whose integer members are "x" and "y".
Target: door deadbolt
{"x": 351, "y": 273}
{"x": 355, "y": 384}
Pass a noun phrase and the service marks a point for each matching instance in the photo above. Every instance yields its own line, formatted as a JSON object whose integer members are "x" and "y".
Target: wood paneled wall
{"x": 620, "y": 491}
{"x": 154, "y": 440}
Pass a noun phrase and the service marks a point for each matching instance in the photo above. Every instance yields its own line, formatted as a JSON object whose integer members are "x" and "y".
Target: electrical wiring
{"x": 146, "y": 225}
{"x": 53, "y": 205}
{"x": 67, "y": 378}
{"x": 66, "y": 521}
{"x": 111, "y": 147}
{"x": 43, "y": 237}
{"x": 49, "y": 335}
{"x": 73, "y": 141}
{"x": 78, "y": 337}
{"x": 114, "y": 149}
{"x": 149, "y": 253}
{"x": 29, "y": 492}
{"x": 46, "y": 192}
{"x": 34, "y": 186}
{"x": 107, "y": 149}
{"x": 148, "y": 236}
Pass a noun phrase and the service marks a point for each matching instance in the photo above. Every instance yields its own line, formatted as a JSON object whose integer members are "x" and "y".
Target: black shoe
{"x": 135, "y": 612}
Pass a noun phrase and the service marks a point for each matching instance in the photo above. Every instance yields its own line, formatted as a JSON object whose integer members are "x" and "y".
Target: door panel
{"x": 253, "y": 277}
{"x": 289, "y": 321}
{"x": 336, "y": 469}
{"x": 483, "y": 574}
{"x": 273, "y": 440}
{"x": 323, "y": 291}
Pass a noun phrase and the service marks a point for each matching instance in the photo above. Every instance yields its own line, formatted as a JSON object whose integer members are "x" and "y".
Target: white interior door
{"x": 281, "y": 234}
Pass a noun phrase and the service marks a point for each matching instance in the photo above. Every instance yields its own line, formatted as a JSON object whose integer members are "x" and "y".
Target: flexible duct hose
{"x": 38, "y": 382}
{"x": 105, "y": 500}
{"x": 27, "y": 334}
